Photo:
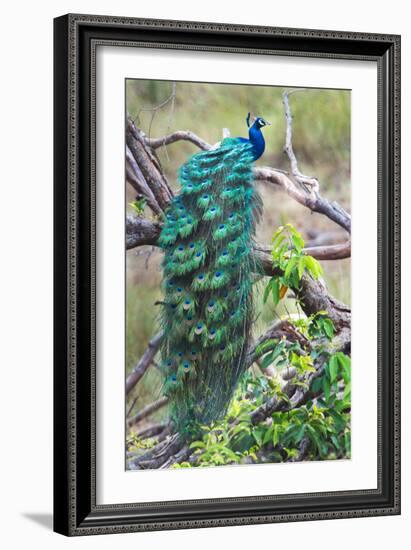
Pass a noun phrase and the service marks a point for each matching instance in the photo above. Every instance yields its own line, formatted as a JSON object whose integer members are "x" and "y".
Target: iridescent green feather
{"x": 208, "y": 269}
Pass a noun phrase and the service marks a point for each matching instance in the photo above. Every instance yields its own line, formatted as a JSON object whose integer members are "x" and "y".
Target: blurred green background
{"x": 321, "y": 141}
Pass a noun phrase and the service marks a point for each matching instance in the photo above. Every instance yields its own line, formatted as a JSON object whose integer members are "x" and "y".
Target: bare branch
{"x": 145, "y": 361}
{"x": 179, "y": 135}
{"x": 140, "y": 231}
{"x": 330, "y": 252}
{"x": 156, "y": 457}
{"x": 136, "y": 179}
{"x": 315, "y": 202}
{"x": 333, "y": 211}
{"x": 147, "y": 411}
{"x": 151, "y": 431}
{"x": 148, "y": 165}
{"x": 288, "y": 148}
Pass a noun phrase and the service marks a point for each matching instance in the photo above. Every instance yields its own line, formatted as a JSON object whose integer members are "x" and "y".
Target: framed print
{"x": 227, "y": 280}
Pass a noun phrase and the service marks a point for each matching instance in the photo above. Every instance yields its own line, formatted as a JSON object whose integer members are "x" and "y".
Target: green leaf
{"x": 300, "y": 434}
{"x": 268, "y": 359}
{"x": 345, "y": 363}
{"x": 276, "y": 435}
{"x": 333, "y": 368}
{"x": 138, "y": 206}
{"x": 268, "y": 434}
{"x": 197, "y": 445}
{"x": 301, "y": 266}
{"x": 298, "y": 241}
{"x": 290, "y": 266}
{"x": 326, "y": 388}
{"x": 328, "y": 327}
{"x": 267, "y": 290}
{"x": 275, "y": 290}
{"x": 347, "y": 391}
{"x": 316, "y": 385}
{"x": 313, "y": 267}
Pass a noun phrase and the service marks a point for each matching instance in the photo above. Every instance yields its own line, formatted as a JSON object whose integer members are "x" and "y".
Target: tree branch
{"x": 145, "y": 361}
{"x": 288, "y": 148}
{"x": 314, "y": 202}
{"x": 179, "y": 135}
{"x": 148, "y": 410}
{"x": 318, "y": 204}
{"x": 140, "y": 231}
{"x": 326, "y": 252}
{"x": 148, "y": 165}
{"x": 331, "y": 252}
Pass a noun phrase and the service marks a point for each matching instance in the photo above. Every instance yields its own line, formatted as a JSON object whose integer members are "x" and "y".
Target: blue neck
{"x": 257, "y": 139}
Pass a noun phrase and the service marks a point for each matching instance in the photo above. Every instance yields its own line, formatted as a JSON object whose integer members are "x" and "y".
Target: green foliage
{"x": 289, "y": 258}
{"x": 323, "y": 421}
{"x": 138, "y": 206}
{"x": 135, "y": 444}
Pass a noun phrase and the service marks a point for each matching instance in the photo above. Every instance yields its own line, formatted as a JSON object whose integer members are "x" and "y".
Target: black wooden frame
{"x": 75, "y": 40}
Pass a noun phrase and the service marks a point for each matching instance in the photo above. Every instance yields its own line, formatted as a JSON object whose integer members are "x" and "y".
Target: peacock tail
{"x": 208, "y": 272}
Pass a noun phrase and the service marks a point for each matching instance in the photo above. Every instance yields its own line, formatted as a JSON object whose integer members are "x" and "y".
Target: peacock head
{"x": 256, "y": 122}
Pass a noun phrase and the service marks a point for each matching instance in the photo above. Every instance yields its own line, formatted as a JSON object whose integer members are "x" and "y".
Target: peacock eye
{"x": 218, "y": 274}
{"x": 221, "y": 226}
{"x": 192, "y": 245}
{"x": 198, "y": 254}
{"x": 200, "y": 277}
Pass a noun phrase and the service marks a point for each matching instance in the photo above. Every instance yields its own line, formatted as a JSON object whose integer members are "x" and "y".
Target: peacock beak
{"x": 267, "y": 123}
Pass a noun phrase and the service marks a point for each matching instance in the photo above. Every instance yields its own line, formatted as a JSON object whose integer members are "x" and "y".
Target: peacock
{"x": 208, "y": 273}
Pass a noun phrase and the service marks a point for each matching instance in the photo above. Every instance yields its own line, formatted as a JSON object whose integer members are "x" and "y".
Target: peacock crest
{"x": 208, "y": 275}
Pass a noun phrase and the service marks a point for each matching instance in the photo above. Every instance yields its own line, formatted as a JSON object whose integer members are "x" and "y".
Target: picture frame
{"x": 76, "y": 38}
